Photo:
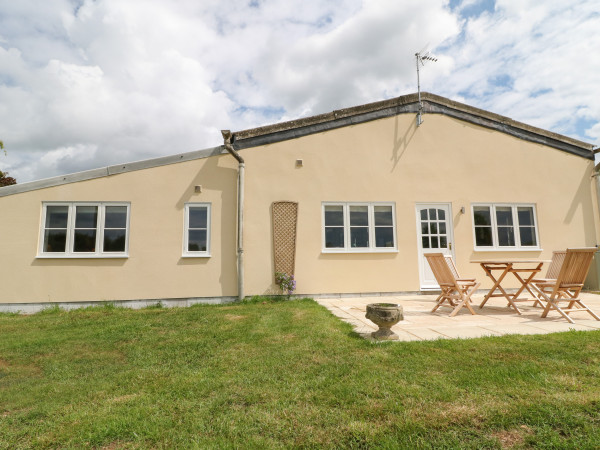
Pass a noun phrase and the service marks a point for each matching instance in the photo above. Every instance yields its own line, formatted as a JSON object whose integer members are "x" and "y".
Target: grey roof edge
{"x": 408, "y": 104}
{"x": 110, "y": 170}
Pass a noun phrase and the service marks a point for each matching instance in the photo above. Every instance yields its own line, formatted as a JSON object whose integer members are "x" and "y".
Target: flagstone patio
{"x": 494, "y": 319}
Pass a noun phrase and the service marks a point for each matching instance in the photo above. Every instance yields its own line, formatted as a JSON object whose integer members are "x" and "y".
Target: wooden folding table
{"x": 523, "y": 270}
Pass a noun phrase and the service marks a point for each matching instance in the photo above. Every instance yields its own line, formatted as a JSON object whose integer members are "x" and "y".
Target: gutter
{"x": 227, "y": 138}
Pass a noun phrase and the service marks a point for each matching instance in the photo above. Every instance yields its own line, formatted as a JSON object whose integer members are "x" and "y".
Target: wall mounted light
{"x": 299, "y": 163}
{"x": 462, "y": 209}
{"x": 198, "y": 189}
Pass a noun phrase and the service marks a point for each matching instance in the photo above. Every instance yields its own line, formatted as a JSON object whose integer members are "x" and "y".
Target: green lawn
{"x": 284, "y": 374}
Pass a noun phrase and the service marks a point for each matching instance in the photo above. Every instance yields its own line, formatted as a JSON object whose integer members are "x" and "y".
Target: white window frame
{"x": 371, "y": 217}
{"x": 515, "y": 217}
{"x": 100, "y": 226}
{"x": 186, "y": 223}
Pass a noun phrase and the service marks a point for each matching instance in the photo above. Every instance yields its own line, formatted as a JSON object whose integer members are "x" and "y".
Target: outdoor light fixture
{"x": 421, "y": 58}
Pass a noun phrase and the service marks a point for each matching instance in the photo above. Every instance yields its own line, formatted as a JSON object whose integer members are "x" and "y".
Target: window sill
{"x": 509, "y": 249}
{"x": 206, "y": 255}
{"x": 82, "y": 256}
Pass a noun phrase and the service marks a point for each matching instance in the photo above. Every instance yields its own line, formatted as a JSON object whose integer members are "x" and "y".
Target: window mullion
{"x": 346, "y": 209}
{"x": 100, "y": 229}
{"x": 70, "y": 229}
{"x": 494, "y": 227}
{"x": 371, "y": 219}
{"x": 516, "y": 228}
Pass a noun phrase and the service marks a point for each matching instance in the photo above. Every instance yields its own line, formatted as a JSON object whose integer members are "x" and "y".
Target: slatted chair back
{"x": 575, "y": 267}
{"x": 558, "y": 257}
{"x": 567, "y": 285}
{"x": 441, "y": 271}
{"x": 457, "y": 292}
{"x": 452, "y": 266}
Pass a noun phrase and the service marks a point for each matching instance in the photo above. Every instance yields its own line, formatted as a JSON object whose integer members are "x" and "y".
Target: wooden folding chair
{"x": 558, "y": 258}
{"x": 457, "y": 292}
{"x": 567, "y": 285}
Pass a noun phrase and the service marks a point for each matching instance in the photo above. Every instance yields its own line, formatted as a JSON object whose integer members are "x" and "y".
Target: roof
{"x": 406, "y": 104}
{"x": 432, "y": 104}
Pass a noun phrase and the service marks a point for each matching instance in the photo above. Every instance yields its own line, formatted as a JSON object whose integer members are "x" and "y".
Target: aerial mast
{"x": 420, "y": 59}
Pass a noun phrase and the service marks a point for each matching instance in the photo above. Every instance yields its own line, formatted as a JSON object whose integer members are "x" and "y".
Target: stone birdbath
{"x": 385, "y": 316}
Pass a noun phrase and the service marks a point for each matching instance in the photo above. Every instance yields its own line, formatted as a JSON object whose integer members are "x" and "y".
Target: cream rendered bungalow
{"x": 365, "y": 191}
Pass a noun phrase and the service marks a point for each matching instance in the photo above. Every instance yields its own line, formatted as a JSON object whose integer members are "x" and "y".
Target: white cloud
{"x": 546, "y": 54}
{"x": 89, "y": 83}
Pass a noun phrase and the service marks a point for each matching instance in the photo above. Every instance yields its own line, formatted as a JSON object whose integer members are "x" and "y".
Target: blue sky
{"x": 89, "y": 83}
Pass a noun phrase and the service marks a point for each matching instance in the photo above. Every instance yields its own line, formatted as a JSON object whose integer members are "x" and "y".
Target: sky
{"x": 87, "y": 84}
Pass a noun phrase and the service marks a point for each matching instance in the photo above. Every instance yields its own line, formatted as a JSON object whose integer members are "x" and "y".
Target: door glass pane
{"x": 433, "y": 228}
{"x": 432, "y": 214}
{"x": 359, "y": 237}
{"x": 425, "y": 242}
{"x": 86, "y": 216}
{"x": 423, "y": 214}
{"x": 334, "y": 237}
{"x": 384, "y": 237}
{"x": 334, "y": 215}
{"x": 383, "y": 216}
{"x": 359, "y": 216}
{"x": 442, "y": 227}
{"x": 443, "y": 242}
{"x": 424, "y": 228}
{"x": 441, "y": 214}
{"x": 434, "y": 242}
{"x": 114, "y": 240}
{"x": 57, "y": 216}
{"x": 115, "y": 217}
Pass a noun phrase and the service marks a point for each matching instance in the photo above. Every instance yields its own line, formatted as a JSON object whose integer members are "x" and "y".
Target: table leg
{"x": 497, "y": 282}
{"x": 525, "y": 285}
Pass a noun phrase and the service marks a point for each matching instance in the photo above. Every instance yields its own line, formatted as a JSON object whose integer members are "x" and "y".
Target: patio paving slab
{"x": 494, "y": 319}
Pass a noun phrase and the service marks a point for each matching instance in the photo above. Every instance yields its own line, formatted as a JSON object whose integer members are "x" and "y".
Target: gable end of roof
{"x": 408, "y": 104}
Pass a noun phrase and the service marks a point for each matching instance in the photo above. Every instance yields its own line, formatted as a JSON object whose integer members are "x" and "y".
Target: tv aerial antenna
{"x": 421, "y": 57}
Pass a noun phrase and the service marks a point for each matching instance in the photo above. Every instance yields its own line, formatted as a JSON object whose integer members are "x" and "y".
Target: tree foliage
{"x": 5, "y": 180}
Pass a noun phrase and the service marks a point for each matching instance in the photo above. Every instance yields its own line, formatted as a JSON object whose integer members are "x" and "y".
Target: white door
{"x": 434, "y": 232}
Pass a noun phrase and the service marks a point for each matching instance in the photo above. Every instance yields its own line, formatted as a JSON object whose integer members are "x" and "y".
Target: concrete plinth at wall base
{"x": 31, "y": 308}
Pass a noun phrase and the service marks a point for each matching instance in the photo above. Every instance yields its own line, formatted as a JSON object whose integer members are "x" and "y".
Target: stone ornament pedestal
{"x": 385, "y": 316}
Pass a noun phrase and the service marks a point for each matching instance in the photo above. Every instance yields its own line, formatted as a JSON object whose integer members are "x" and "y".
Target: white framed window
{"x": 358, "y": 227}
{"x": 196, "y": 235}
{"x": 84, "y": 230}
{"x": 505, "y": 226}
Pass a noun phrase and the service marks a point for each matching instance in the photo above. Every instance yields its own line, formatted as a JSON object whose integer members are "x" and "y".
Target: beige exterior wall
{"x": 390, "y": 160}
{"x": 155, "y": 268}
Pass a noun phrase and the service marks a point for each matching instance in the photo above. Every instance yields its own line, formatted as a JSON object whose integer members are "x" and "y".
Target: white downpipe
{"x": 240, "y": 228}
{"x": 227, "y": 136}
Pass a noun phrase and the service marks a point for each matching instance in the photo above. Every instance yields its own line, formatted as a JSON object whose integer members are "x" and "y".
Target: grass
{"x": 281, "y": 374}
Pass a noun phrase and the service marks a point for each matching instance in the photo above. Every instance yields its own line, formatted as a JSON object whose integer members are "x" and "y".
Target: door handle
{"x": 449, "y": 245}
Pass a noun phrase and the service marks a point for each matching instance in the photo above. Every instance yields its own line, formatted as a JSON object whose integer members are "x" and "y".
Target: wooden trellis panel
{"x": 285, "y": 219}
